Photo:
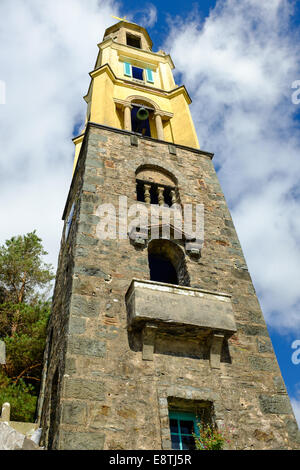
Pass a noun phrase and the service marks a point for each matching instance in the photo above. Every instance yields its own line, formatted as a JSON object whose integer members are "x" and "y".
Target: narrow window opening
{"x": 134, "y": 41}
{"x": 162, "y": 270}
{"x": 167, "y": 263}
{"x": 167, "y": 196}
{"x": 137, "y": 73}
{"x": 137, "y": 125}
{"x": 153, "y": 194}
{"x": 140, "y": 196}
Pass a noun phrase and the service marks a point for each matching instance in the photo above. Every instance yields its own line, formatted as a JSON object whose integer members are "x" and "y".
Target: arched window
{"x": 167, "y": 263}
{"x": 156, "y": 186}
{"x": 142, "y": 115}
{"x": 140, "y": 119}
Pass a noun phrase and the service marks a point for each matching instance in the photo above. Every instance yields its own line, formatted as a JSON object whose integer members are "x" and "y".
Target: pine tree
{"x": 24, "y": 312}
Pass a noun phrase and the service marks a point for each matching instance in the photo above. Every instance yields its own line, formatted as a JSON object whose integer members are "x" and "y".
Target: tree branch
{"x": 24, "y": 372}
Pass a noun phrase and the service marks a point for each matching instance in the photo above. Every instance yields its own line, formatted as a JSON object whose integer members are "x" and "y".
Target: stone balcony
{"x": 155, "y": 307}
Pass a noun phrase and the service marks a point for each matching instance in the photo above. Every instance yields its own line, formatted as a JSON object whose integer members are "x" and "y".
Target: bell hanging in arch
{"x": 142, "y": 114}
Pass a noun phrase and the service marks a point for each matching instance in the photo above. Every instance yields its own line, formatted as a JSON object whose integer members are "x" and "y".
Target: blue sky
{"x": 237, "y": 58}
{"x": 166, "y": 13}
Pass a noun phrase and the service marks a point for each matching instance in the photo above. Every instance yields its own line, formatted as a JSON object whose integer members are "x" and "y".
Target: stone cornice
{"x": 84, "y": 136}
{"x": 133, "y": 85}
{"x": 139, "y": 54}
{"x": 124, "y": 103}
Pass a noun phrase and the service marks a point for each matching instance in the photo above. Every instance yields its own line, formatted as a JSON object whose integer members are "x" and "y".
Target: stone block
{"x": 89, "y": 219}
{"x": 252, "y": 330}
{"x": 262, "y": 363}
{"x": 293, "y": 430}
{"x": 70, "y": 365}
{"x": 90, "y": 271}
{"x": 82, "y": 440}
{"x": 91, "y": 188}
{"x": 77, "y": 325}
{"x": 276, "y": 404}
{"x": 134, "y": 140}
{"x": 279, "y": 384}
{"x": 95, "y": 162}
{"x": 84, "y": 389}
{"x": 172, "y": 149}
{"x": 86, "y": 346}
{"x": 84, "y": 306}
{"x": 85, "y": 240}
{"x": 74, "y": 412}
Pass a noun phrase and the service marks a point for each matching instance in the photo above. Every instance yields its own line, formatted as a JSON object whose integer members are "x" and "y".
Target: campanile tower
{"x": 150, "y": 334}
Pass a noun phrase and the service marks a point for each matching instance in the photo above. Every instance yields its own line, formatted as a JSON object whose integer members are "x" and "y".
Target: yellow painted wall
{"x": 109, "y": 83}
{"x": 180, "y": 129}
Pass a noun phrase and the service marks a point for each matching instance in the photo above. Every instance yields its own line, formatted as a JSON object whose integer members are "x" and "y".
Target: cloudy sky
{"x": 238, "y": 60}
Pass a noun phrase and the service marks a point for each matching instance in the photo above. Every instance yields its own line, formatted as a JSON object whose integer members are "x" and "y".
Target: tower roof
{"x": 128, "y": 26}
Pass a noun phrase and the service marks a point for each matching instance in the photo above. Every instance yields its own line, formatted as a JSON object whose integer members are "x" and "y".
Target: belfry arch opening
{"x": 167, "y": 263}
{"x": 154, "y": 185}
{"x": 140, "y": 119}
{"x": 152, "y": 124}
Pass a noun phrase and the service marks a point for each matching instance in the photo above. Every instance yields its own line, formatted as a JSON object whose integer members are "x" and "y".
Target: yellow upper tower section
{"x": 128, "y": 75}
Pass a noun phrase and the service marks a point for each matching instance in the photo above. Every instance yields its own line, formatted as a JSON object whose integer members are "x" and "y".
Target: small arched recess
{"x": 167, "y": 262}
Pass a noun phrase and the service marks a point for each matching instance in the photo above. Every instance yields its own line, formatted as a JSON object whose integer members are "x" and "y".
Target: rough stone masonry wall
{"x": 108, "y": 396}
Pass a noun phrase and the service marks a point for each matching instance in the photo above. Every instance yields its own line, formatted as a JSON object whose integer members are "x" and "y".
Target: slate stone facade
{"x": 98, "y": 391}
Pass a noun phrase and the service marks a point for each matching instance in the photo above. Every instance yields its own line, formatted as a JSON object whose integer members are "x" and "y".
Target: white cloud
{"x": 147, "y": 17}
{"x": 239, "y": 66}
{"x": 49, "y": 49}
{"x": 296, "y": 407}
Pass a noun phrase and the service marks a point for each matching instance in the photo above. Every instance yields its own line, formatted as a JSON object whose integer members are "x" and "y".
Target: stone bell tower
{"x": 150, "y": 334}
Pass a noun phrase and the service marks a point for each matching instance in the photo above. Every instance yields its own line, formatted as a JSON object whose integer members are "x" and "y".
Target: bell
{"x": 142, "y": 114}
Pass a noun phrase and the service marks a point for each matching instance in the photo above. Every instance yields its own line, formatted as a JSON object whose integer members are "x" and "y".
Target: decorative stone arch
{"x": 156, "y": 164}
{"x": 159, "y": 114}
{"x": 156, "y": 174}
{"x": 139, "y": 99}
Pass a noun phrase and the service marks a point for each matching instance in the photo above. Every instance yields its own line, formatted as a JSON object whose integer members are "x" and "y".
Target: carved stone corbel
{"x": 215, "y": 350}
{"x": 149, "y": 334}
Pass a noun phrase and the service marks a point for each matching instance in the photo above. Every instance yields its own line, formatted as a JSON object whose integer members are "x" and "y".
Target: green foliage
{"x": 21, "y": 398}
{"x": 24, "y": 315}
{"x": 22, "y": 269}
{"x": 209, "y": 437}
{"x": 23, "y": 329}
